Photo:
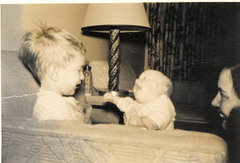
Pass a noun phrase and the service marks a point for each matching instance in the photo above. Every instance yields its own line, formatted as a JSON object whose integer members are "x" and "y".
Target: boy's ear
{"x": 53, "y": 73}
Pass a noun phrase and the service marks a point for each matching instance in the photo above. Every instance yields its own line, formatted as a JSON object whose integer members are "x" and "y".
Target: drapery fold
{"x": 174, "y": 42}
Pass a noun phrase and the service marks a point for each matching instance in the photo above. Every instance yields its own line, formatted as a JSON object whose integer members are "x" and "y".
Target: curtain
{"x": 175, "y": 39}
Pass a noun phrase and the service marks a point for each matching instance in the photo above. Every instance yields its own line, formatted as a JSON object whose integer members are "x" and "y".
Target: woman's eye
{"x": 223, "y": 95}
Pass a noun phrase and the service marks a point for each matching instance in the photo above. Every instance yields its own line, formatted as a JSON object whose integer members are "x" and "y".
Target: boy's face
{"x": 146, "y": 87}
{"x": 226, "y": 98}
{"x": 71, "y": 76}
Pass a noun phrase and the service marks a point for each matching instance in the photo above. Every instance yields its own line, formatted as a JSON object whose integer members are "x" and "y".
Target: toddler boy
{"x": 153, "y": 108}
{"x": 55, "y": 58}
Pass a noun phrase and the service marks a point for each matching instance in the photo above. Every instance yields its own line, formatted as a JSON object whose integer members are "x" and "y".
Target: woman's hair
{"x": 235, "y": 71}
{"x": 49, "y": 46}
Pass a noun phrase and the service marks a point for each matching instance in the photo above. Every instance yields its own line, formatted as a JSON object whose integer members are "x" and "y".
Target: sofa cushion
{"x": 26, "y": 140}
{"x": 19, "y": 87}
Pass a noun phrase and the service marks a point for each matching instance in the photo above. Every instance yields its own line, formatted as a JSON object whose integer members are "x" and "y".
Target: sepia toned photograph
{"x": 120, "y": 82}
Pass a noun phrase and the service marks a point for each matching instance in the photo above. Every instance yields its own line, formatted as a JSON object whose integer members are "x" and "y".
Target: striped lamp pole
{"x": 114, "y": 60}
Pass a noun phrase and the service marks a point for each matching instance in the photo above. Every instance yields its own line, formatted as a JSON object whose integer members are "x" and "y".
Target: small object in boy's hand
{"x": 108, "y": 97}
{"x": 119, "y": 93}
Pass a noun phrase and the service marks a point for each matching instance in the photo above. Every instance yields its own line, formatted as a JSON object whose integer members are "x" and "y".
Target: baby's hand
{"x": 108, "y": 97}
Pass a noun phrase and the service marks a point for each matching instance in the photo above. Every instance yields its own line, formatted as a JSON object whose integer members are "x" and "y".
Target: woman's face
{"x": 226, "y": 98}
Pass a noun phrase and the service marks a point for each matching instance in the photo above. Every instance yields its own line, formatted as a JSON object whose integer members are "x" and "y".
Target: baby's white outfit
{"x": 161, "y": 111}
{"x": 52, "y": 106}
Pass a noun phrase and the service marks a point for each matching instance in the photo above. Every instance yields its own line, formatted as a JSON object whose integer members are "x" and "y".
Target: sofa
{"x": 25, "y": 140}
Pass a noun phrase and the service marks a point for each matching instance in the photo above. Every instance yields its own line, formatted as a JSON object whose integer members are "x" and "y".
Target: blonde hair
{"x": 49, "y": 46}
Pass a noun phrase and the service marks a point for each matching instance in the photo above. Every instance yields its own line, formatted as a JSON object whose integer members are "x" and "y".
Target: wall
{"x": 222, "y": 34}
{"x": 16, "y": 19}
{"x": 221, "y": 42}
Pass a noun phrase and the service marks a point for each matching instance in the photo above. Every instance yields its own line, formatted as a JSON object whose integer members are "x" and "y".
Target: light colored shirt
{"x": 161, "y": 111}
{"x": 52, "y": 106}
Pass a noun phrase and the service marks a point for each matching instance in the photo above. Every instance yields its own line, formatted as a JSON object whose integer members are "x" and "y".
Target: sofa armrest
{"x": 26, "y": 140}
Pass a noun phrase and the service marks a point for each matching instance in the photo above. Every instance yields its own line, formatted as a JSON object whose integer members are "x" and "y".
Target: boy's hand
{"x": 108, "y": 97}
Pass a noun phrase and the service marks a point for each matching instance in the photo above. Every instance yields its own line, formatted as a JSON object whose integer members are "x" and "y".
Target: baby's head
{"x": 50, "y": 48}
{"x": 150, "y": 85}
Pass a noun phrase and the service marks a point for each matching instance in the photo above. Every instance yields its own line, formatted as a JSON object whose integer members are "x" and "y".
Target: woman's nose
{"x": 216, "y": 101}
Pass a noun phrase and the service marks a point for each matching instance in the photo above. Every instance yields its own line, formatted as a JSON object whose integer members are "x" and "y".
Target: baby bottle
{"x": 88, "y": 80}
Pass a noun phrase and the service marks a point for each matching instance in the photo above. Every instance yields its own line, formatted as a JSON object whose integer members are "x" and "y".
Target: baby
{"x": 152, "y": 109}
{"x": 55, "y": 58}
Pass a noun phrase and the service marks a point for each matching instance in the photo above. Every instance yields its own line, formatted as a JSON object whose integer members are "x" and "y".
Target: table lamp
{"x": 115, "y": 18}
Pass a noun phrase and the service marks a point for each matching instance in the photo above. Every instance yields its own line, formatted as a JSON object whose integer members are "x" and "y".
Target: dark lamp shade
{"x": 128, "y": 17}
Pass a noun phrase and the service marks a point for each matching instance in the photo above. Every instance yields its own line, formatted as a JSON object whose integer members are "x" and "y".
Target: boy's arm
{"x": 87, "y": 114}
